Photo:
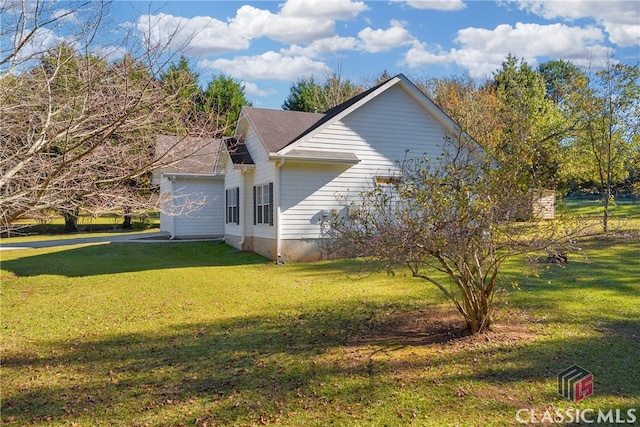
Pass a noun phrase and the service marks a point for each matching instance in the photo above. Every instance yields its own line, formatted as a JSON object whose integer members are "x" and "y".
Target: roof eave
{"x": 275, "y": 157}
{"x": 192, "y": 175}
{"x": 244, "y": 166}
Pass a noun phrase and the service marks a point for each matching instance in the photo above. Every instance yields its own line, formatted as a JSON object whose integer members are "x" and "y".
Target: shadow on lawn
{"x": 614, "y": 269}
{"x": 116, "y": 258}
{"x": 255, "y": 369}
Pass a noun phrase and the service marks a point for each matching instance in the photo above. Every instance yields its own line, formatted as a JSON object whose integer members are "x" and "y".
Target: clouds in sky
{"x": 303, "y": 33}
{"x": 252, "y": 23}
{"x": 324, "y": 9}
{"x": 198, "y": 36}
{"x": 620, "y": 19}
{"x": 445, "y": 5}
{"x": 268, "y": 66}
{"x": 380, "y": 40}
{"x": 481, "y": 50}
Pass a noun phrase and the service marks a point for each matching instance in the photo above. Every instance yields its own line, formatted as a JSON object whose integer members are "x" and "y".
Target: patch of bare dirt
{"x": 440, "y": 325}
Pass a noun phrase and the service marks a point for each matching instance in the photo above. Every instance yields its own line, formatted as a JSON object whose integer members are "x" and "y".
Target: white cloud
{"x": 66, "y": 15}
{"x": 254, "y": 90}
{"x": 383, "y": 40}
{"x": 200, "y": 35}
{"x": 483, "y": 50}
{"x": 531, "y": 40}
{"x": 268, "y": 66}
{"x": 42, "y": 40}
{"x": 319, "y": 47}
{"x": 623, "y": 35}
{"x": 326, "y": 9}
{"x": 369, "y": 40}
{"x": 619, "y": 18}
{"x": 420, "y": 55}
{"x": 298, "y": 21}
{"x": 443, "y": 5}
{"x": 252, "y": 22}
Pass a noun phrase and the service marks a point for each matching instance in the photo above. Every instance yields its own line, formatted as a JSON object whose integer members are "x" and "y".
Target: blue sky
{"x": 269, "y": 45}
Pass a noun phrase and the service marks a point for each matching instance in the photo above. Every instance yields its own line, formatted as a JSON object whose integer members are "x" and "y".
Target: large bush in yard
{"x": 452, "y": 222}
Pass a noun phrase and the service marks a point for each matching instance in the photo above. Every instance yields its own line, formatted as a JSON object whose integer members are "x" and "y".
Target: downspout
{"x": 172, "y": 236}
{"x": 242, "y": 212}
{"x": 276, "y": 190}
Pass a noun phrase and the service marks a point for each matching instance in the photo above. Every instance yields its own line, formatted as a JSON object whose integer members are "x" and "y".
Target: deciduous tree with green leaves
{"x": 512, "y": 117}
{"x": 531, "y": 126}
{"x": 608, "y": 142}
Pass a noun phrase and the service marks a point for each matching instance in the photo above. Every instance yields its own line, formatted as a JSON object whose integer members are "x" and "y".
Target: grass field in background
{"x": 55, "y": 226}
{"x": 200, "y": 334}
{"x": 595, "y": 207}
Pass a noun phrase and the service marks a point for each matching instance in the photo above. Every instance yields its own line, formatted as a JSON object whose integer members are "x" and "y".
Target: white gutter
{"x": 194, "y": 175}
{"x": 302, "y": 159}
{"x": 276, "y": 196}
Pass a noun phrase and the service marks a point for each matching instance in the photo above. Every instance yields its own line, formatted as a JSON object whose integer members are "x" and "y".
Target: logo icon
{"x": 575, "y": 383}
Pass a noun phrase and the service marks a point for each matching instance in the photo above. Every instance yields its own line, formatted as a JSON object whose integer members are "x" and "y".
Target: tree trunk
{"x": 71, "y": 221}
{"x": 126, "y": 224}
{"x": 605, "y": 217}
{"x": 479, "y": 320}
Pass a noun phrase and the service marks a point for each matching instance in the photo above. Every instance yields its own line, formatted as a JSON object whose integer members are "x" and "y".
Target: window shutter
{"x": 237, "y": 205}
{"x": 226, "y": 206}
{"x": 255, "y": 206}
{"x": 271, "y": 203}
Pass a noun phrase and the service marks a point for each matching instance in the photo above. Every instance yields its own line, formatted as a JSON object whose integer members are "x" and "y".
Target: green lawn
{"x": 68, "y": 236}
{"x": 200, "y": 334}
{"x": 591, "y": 208}
{"x": 54, "y": 226}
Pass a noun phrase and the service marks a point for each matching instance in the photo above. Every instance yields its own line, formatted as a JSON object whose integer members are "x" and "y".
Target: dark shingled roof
{"x": 238, "y": 152}
{"x": 278, "y": 128}
{"x": 187, "y": 154}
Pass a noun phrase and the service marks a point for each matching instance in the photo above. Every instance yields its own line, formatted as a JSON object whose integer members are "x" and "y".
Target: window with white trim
{"x": 387, "y": 179}
{"x": 233, "y": 205}
{"x": 263, "y": 204}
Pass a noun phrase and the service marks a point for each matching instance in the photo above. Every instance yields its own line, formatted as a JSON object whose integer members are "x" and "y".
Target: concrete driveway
{"x": 133, "y": 237}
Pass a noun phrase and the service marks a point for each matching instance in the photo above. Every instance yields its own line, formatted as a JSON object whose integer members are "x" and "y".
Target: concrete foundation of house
{"x": 306, "y": 250}
{"x": 291, "y": 250}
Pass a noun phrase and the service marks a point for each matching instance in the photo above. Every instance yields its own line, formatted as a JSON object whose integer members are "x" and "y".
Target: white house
{"x": 191, "y": 192}
{"x": 279, "y": 180}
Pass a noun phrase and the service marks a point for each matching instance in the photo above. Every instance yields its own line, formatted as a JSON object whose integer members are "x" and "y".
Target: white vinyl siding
{"x": 264, "y": 173}
{"x": 243, "y": 181}
{"x": 306, "y": 191}
{"x": 255, "y": 147}
{"x": 196, "y": 208}
{"x": 382, "y": 132}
